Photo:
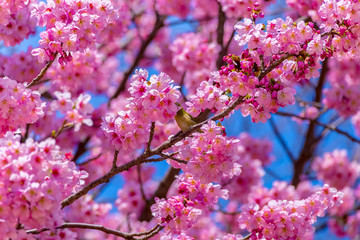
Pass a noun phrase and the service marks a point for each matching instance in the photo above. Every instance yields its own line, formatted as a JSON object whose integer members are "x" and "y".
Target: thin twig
{"x": 152, "y": 234}
{"x": 54, "y": 134}
{"x": 116, "y": 153}
{"x": 272, "y": 173}
{"x": 173, "y": 158}
{"x": 247, "y": 237}
{"x": 141, "y": 183}
{"x": 147, "y": 232}
{"x": 330, "y": 127}
{"x": 335, "y": 124}
{"x": 281, "y": 140}
{"x": 306, "y": 103}
{"x": 309, "y": 146}
{"x": 151, "y": 136}
{"x": 226, "y": 48}
{"x": 157, "y": 26}
{"x": 37, "y": 79}
{"x": 182, "y": 86}
{"x": 81, "y": 149}
{"x": 90, "y": 160}
{"x": 274, "y": 65}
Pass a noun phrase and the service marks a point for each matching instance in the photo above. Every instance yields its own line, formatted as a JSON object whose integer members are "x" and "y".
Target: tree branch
{"x": 281, "y": 140}
{"x": 220, "y": 35}
{"x": 116, "y": 153}
{"x": 81, "y": 149}
{"x": 309, "y": 146}
{"x": 158, "y": 25}
{"x": 37, "y": 79}
{"x": 128, "y": 236}
{"x": 151, "y": 136}
{"x": 275, "y": 64}
{"x": 331, "y": 127}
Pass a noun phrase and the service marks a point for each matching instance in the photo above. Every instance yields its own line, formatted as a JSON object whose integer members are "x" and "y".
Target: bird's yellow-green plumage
{"x": 184, "y": 120}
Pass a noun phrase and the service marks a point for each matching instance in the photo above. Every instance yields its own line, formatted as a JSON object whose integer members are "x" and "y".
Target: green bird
{"x": 183, "y": 119}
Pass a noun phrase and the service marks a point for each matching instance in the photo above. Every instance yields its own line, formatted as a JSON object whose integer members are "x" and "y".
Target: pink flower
{"x": 286, "y": 96}
{"x": 316, "y": 45}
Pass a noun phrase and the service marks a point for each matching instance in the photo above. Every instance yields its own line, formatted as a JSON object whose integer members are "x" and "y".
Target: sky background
{"x": 292, "y": 132}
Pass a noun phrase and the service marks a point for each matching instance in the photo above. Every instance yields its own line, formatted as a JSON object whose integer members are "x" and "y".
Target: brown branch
{"x": 274, "y": 65}
{"x": 103, "y": 179}
{"x": 158, "y": 25}
{"x": 182, "y": 86}
{"x": 26, "y": 135}
{"x": 173, "y": 158}
{"x": 37, "y": 79}
{"x": 309, "y": 146}
{"x": 81, "y": 149}
{"x": 281, "y": 140}
{"x": 184, "y": 21}
{"x": 151, "y": 234}
{"x": 247, "y": 237}
{"x": 272, "y": 173}
{"x": 220, "y": 35}
{"x": 90, "y": 160}
{"x": 151, "y": 136}
{"x": 160, "y": 192}
{"x": 63, "y": 126}
{"x": 226, "y": 47}
{"x": 129, "y": 236}
{"x": 116, "y": 153}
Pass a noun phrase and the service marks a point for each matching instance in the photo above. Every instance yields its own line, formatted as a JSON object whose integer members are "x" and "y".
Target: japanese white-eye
{"x": 183, "y": 119}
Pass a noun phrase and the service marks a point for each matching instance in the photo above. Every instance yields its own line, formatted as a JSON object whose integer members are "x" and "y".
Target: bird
{"x": 183, "y": 119}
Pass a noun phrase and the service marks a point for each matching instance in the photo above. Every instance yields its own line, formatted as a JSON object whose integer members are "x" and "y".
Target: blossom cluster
{"x": 280, "y": 191}
{"x": 337, "y": 19}
{"x": 305, "y": 7}
{"x": 192, "y": 52}
{"x": 21, "y": 67}
{"x": 18, "y": 105}
{"x": 341, "y": 18}
{"x": 88, "y": 71}
{"x": 335, "y": 169}
{"x": 117, "y": 28}
{"x": 210, "y": 156}
{"x": 35, "y": 178}
{"x": 180, "y": 212}
{"x": 17, "y": 21}
{"x": 287, "y": 219}
{"x": 282, "y": 48}
{"x": 151, "y": 100}
{"x": 77, "y": 112}
{"x": 173, "y": 7}
{"x": 71, "y": 27}
{"x": 244, "y": 8}
{"x": 344, "y": 92}
{"x": 253, "y": 155}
